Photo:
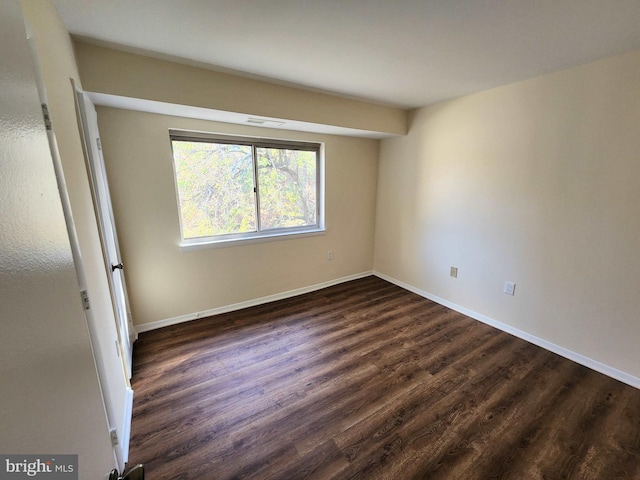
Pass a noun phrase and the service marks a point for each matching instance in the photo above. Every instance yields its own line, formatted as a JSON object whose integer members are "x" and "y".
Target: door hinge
{"x": 114, "y": 436}
{"x": 47, "y": 117}
{"x": 85, "y": 299}
{"x": 99, "y": 143}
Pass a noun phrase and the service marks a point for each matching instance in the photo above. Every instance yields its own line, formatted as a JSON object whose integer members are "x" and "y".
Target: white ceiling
{"x": 407, "y": 53}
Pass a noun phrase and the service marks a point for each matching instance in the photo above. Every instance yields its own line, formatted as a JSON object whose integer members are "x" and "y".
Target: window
{"x": 235, "y": 188}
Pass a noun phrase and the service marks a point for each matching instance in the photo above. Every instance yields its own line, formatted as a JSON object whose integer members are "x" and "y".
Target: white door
{"x": 113, "y": 262}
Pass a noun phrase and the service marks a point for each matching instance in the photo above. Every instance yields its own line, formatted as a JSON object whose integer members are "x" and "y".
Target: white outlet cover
{"x": 510, "y": 288}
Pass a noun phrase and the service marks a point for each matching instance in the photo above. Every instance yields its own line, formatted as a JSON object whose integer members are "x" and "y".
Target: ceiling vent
{"x": 265, "y": 122}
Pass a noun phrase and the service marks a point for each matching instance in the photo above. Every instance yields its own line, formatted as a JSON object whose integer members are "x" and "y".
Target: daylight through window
{"x": 236, "y": 188}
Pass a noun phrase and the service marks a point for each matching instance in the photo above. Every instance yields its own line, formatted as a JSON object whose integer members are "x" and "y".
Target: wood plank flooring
{"x": 365, "y": 380}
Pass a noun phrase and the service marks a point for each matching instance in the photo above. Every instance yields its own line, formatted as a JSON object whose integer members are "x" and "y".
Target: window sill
{"x": 205, "y": 244}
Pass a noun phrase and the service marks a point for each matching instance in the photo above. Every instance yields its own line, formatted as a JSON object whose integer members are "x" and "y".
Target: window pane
{"x": 215, "y": 188}
{"x": 287, "y": 185}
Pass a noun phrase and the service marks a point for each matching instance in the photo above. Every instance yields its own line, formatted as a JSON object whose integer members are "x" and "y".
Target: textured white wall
{"x": 50, "y": 400}
{"x": 536, "y": 183}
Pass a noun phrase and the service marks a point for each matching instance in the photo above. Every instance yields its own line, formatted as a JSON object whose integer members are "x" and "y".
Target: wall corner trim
{"x": 145, "y": 327}
{"x": 607, "y": 370}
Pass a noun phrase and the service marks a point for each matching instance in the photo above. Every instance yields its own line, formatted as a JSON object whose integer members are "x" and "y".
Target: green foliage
{"x": 287, "y": 180}
{"x": 216, "y": 188}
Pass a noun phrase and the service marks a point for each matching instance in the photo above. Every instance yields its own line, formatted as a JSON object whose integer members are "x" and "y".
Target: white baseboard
{"x": 128, "y": 416}
{"x": 576, "y": 357}
{"x": 569, "y": 354}
{"x": 145, "y": 327}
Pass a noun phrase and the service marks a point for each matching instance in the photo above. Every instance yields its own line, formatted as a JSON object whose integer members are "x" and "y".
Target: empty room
{"x": 287, "y": 239}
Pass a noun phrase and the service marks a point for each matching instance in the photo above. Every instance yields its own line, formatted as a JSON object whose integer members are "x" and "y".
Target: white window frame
{"x": 231, "y": 239}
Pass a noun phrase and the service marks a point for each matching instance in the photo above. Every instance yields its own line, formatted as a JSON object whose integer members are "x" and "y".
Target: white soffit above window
{"x": 199, "y": 113}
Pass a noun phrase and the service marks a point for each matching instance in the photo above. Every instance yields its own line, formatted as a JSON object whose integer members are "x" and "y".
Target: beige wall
{"x": 50, "y": 399}
{"x": 164, "y": 283}
{"x": 105, "y": 70}
{"x": 536, "y": 183}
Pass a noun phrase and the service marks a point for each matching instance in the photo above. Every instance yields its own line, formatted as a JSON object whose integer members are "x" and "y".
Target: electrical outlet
{"x": 330, "y": 255}
{"x": 510, "y": 288}
{"x": 454, "y": 272}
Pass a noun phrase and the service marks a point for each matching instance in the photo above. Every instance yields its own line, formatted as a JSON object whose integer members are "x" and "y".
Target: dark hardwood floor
{"x": 365, "y": 380}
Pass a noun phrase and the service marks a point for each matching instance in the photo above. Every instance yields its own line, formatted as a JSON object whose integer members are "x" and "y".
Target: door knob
{"x": 118, "y": 266}
{"x": 136, "y": 473}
